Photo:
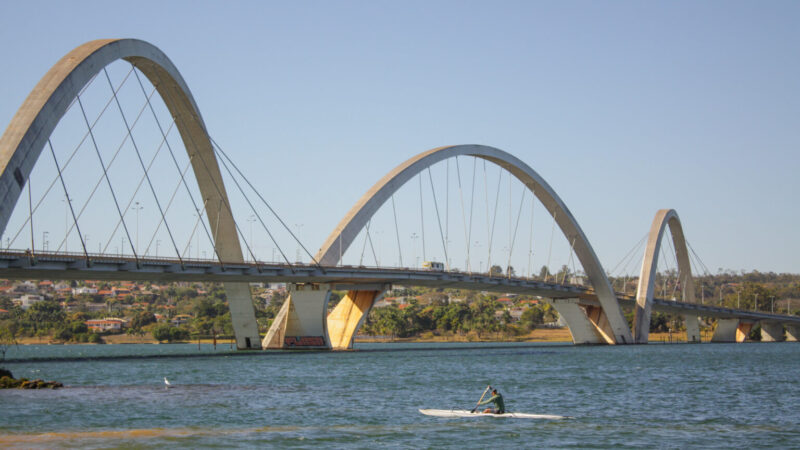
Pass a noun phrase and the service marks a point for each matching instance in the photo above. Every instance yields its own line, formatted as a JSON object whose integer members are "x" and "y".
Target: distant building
{"x": 27, "y": 300}
{"x": 25, "y": 286}
{"x": 505, "y": 301}
{"x": 84, "y": 290}
{"x": 181, "y": 319}
{"x": 105, "y": 325}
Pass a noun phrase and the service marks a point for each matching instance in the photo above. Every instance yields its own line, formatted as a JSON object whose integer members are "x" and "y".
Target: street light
{"x": 772, "y": 304}
{"x": 414, "y": 237}
{"x": 66, "y": 201}
{"x": 137, "y": 208}
{"x": 251, "y": 219}
{"x": 44, "y": 240}
{"x": 755, "y": 306}
{"x": 297, "y": 227}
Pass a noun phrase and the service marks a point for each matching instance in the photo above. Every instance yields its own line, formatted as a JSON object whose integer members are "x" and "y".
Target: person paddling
{"x": 499, "y": 405}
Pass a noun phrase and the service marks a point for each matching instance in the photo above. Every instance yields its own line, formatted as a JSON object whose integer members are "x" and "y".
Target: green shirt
{"x": 497, "y": 399}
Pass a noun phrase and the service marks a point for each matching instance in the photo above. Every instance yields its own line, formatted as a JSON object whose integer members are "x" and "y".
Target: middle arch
{"x": 647, "y": 276}
{"x": 613, "y": 328}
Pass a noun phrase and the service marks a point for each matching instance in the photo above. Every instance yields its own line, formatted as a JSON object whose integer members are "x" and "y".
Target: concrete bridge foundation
{"x": 792, "y": 332}
{"x": 771, "y": 332}
{"x": 301, "y": 321}
{"x": 726, "y": 330}
{"x": 580, "y": 326}
{"x": 348, "y": 316}
{"x": 692, "y": 328}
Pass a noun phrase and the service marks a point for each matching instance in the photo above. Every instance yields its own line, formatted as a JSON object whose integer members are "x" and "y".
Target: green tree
{"x": 532, "y": 317}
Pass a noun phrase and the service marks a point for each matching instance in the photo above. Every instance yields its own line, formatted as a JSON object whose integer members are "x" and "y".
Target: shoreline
{"x": 555, "y": 335}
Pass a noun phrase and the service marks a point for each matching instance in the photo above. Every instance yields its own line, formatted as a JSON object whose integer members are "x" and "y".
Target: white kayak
{"x": 465, "y": 413}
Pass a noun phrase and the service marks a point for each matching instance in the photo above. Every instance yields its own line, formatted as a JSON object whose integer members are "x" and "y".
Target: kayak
{"x": 465, "y": 413}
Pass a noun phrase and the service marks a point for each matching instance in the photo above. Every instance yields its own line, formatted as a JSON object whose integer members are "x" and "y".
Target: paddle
{"x": 482, "y": 395}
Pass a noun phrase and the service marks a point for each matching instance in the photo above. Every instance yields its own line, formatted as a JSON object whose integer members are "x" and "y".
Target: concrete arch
{"x": 29, "y": 130}
{"x": 610, "y": 325}
{"x": 647, "y": 276}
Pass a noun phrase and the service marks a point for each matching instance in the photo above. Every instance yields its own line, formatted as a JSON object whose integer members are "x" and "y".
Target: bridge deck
{"x": 66, "y": 266}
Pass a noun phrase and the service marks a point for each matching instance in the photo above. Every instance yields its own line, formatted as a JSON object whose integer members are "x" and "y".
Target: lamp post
{"x": 755, "y": 306}
{"x": 414, "y": 237}
{"x": 297, "y": 227}
{"x": 136, "y": 207}
{"x": 772, "y": 304}
{"x": 251, "y": 219}
{"x": 66, "y": 201}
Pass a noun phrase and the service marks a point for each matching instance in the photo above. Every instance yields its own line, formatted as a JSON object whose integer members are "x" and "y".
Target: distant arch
{"x": 644, "y": 292}
{"x": 346, "y": 231}
{"x": 32, "y": 125}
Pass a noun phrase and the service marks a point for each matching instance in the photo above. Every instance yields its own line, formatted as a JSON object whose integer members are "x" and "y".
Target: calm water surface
{"x": 664, "y": 396}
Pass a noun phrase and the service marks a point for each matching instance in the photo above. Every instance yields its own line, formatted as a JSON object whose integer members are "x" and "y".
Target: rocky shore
{"x": 7, "y": 381}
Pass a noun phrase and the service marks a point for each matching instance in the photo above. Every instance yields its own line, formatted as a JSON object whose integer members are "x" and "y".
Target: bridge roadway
{"x": 75, "y": 266}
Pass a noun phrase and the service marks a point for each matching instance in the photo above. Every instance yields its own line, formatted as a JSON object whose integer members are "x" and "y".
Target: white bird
{"x": 166, "y": 382}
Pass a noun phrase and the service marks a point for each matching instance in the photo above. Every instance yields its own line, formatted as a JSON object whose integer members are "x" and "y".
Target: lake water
{"x": 665, "y": 396}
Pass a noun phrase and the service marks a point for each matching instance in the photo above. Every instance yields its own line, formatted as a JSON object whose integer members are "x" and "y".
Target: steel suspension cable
{"x": 516, "y": 227}
{"x": 264, "y": 201}
{"x": 141, "y": 162}
{"x": 135, "y": 192}
{"x": 494, "y": 215}
{"x": 397, "y": 233}
{"x": 550, "y": 248}
{"x": 463, "y": 215}
{"x": 166, "y": 211}
{"x": 222, "y": 198}
{"x": 108, "y": 181}
{"x": 258, "y": 216}
{"x": 177, "y": 167}
{"x": 438, "y": 220}
{"x": 530, "y": 238}
{"x": 422, "y": 219}
{"x": 447, "y": 211}
{"x": 100, "y": 180}
{"x": 74, "y": 151}
{"x": 569, "y": 262}
{"x": 67, "y": 199}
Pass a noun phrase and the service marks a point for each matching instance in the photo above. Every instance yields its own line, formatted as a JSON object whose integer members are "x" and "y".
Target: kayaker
{"x": 499, "y": 405}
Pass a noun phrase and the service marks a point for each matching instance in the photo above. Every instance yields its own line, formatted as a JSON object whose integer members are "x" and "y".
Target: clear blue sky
{"x": 623, "y": 107}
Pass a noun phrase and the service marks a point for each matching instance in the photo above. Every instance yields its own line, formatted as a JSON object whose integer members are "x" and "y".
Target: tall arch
{"x": 31, "y": 126}
{"x": 647, "y": 276}
{"x": 612, "y": 327}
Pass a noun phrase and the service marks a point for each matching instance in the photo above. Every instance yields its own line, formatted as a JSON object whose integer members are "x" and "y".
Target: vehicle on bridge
{"x": 433, "y": 265}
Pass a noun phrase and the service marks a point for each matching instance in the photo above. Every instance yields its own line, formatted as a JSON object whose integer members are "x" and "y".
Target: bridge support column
{"x": 792, "y": 332}
{"x": 583, "y": 330}
{"x": 743, "y": 330}
{"x": 726, "y": 331}
{"x": 601, "y": 324}
{"x": 692, "y": 328}
{"x": 348, "y": 316}
{"x": 771, "y": 331}
{"x": 243, "y": 316}
{"x": 301, "y": 321}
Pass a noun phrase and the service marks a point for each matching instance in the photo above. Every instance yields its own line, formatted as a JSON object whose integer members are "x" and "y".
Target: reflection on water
{"x": 636, "y": 396}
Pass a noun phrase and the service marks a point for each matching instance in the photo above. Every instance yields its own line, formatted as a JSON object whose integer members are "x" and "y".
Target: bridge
{"x": 63, "y": 101}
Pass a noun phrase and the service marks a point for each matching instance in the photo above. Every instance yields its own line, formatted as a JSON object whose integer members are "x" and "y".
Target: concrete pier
{"x": 301, "y": 322}
{"x": 771, "y": 332}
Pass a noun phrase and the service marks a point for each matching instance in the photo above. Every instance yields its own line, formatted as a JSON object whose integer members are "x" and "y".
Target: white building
{"x": 26, "y": 286}
{"x": 84, "y": 290}
{"x": 27, "y": 300}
